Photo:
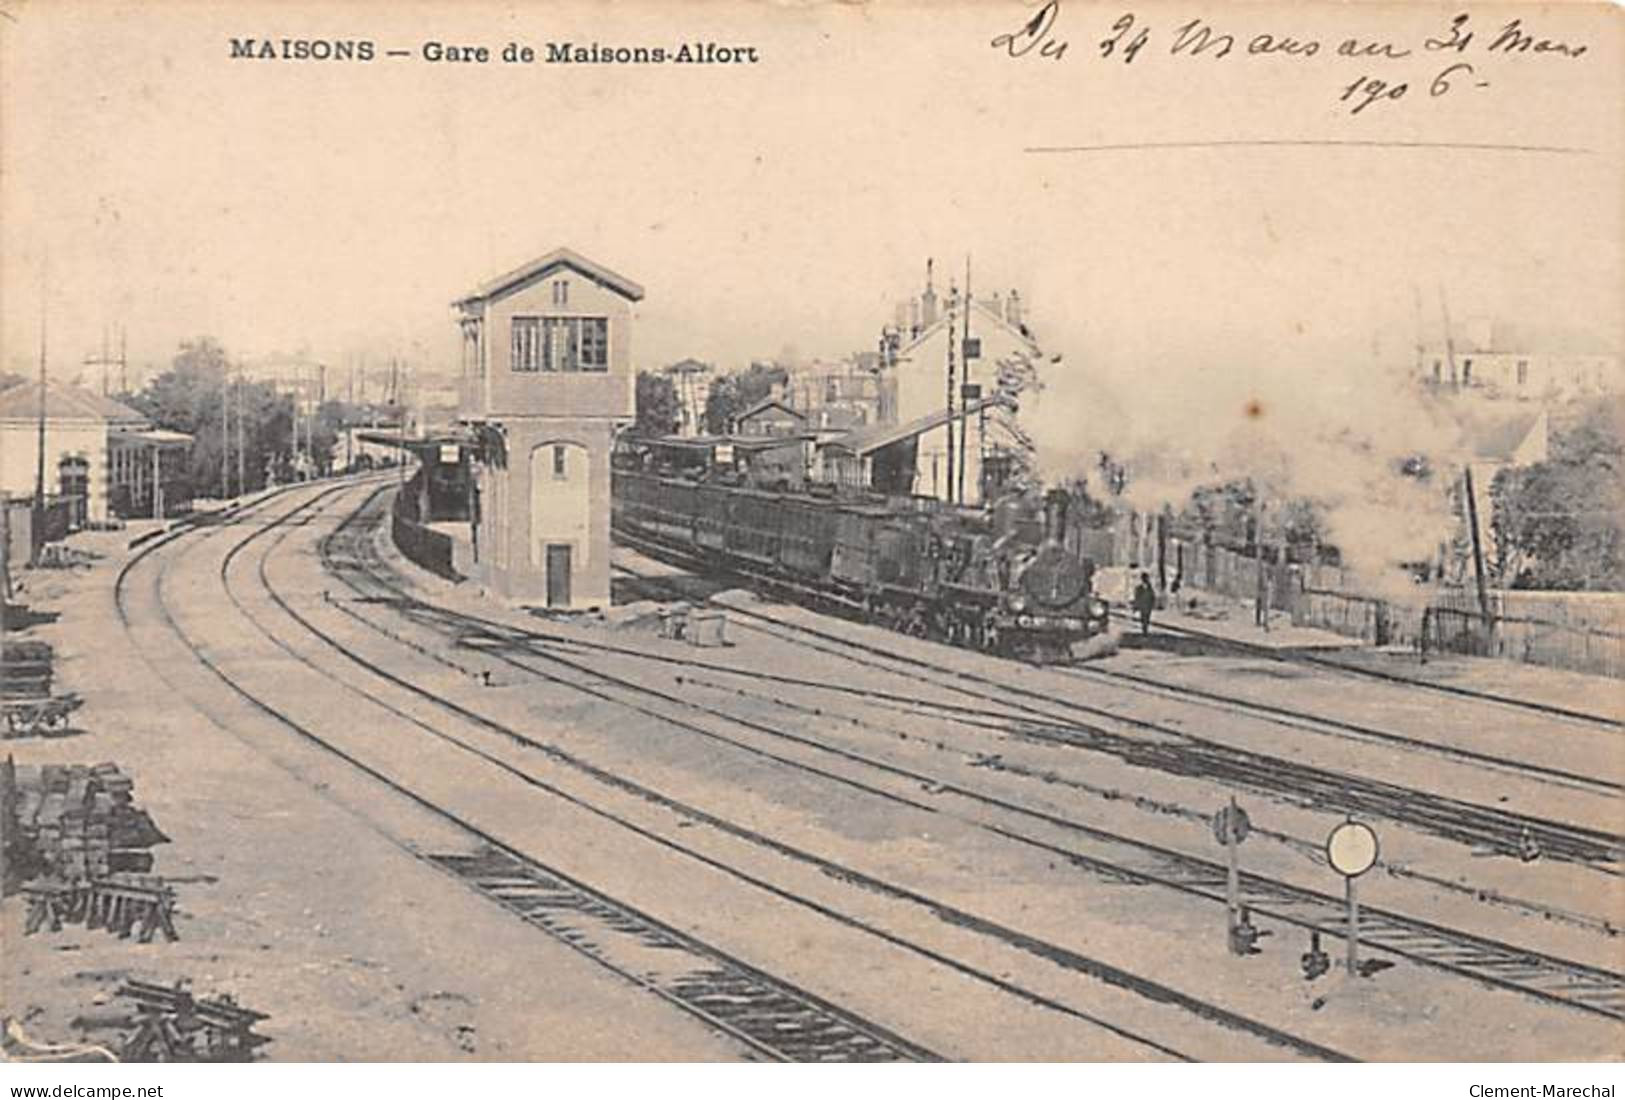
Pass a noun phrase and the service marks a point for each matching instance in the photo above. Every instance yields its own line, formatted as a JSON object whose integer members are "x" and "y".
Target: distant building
{"x": 300, "y": 376}
{"x": 547, "y": 380}
{"x": 1003, "y": 358}
{"x": 95, "y": 448}
{"x": 883, "y": 458}
{"x": 1496, "y": 362}
{"x": 692, "y": 381}
{"x": 771, "y": 417}
{"x": 844, "y": 395}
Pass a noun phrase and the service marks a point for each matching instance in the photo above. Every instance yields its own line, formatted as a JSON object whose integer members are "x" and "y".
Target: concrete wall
{"x": 560, "y": 504}
{"x": 520, "y": 514}
{"x": 18, "y": 443}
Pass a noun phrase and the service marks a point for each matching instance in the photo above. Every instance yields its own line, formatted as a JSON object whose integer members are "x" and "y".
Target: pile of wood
{"x": 25, "y": 669}
{"x": 171, "y": 1025}
{"x": 71, "y": 823}
{"x": 125, "y": 905}
{"x": 26, "y": 701}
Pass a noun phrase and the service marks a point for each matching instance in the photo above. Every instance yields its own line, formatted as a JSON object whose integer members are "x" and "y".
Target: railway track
{"x": 1180, "y": 751}
{"x": 1482, "y": 959}
{"x": 774, "y": 1018}
{"x": 775, "y": 697}
{"x": 1301, "y": 719}
{"x": 590, "y": 682}
{"x": 1070, "y": 961}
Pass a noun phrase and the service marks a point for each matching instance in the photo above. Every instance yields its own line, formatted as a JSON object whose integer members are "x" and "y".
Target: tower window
{"x": 558, "y": 461}
{"x": 561, "y": 292}
{"x": 554, "y": 344}
{"x": 527, "y": 352}
{"x": 1523, "y": 372}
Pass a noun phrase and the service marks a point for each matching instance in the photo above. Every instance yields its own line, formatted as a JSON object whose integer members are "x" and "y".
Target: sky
{"x": 148, "y": 181}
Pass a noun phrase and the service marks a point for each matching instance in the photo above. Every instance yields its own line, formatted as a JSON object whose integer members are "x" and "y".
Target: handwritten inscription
{"x": 1043, "y": 38}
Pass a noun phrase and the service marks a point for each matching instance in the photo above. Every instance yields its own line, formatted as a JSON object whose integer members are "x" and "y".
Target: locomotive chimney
{"x": 1055, "y": 506}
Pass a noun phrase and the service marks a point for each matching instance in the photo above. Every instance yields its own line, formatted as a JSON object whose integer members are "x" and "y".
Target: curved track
{"x": 772, "y": 1017}
{"x": 1208, "y": 1012}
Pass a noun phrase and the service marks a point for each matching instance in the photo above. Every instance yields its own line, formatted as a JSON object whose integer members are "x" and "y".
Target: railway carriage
{"x": 711, "y": 517}
{"x": 999, "y": 581}
{"x": 807, "y": 542}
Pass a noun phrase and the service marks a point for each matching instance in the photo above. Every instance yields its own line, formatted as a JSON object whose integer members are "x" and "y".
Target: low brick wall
{"x": 432, "y": 550}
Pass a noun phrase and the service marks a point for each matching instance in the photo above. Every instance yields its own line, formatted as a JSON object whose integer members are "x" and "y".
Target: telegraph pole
{"x": 1467, "y": 481}
{"x": 225, "y": 431}
{"x": 952, "y": 330}
{"x": 294, "y": 455}
{"x": 242, "y": 449}
{"x": 964, "y": 421}
{"x": 36, "y": 534}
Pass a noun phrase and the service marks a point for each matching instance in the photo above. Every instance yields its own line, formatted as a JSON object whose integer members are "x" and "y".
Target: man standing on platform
{"x": 1145, "y": 601}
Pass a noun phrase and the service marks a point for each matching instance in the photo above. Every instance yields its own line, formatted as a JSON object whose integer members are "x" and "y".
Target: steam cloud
{"x": 1334, "y": 436}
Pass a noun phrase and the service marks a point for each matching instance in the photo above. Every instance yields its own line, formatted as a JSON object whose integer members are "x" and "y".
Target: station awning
{"x": 159, "y": 438}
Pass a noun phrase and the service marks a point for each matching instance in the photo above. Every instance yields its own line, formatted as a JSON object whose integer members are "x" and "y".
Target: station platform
{"x": 1223, "y": 622}
{"x": 1511, "y": 680}
{"x": 1229, "y": 620}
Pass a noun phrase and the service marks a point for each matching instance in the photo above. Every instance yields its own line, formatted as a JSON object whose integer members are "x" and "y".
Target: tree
{"x": 1224, "y": 513}
{"x": 657, "y": 411}
{"x": 188, "y": 398}
{"x": 1557, "y": 523}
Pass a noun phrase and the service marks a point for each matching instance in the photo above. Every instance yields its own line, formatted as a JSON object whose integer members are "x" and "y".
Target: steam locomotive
{"x": 996, "y": 579}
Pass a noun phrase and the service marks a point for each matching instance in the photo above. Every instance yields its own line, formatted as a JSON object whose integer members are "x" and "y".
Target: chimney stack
{"x": 1056, "y": 503}
{"x": 928, "y": 300}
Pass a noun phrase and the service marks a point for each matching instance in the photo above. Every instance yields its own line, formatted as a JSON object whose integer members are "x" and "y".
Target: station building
{"x": 1001, "y": 357}
{"x": 546, "y": 383}
{"x": 98, "y": 451}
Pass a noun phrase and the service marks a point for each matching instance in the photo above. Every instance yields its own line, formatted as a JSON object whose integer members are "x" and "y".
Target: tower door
{"x": 558, "y": 574}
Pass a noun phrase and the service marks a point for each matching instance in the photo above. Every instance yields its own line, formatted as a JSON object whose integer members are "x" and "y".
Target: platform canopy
{"x": 867, "y": 441}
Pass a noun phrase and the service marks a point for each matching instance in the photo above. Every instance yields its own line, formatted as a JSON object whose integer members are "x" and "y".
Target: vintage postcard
{"x": 931, "y": 531}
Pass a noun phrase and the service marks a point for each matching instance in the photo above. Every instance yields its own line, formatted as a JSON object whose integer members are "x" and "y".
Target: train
{"x": 996, "y": 579}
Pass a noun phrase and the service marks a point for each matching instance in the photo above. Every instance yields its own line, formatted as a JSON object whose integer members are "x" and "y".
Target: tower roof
{"x": 543, "y": 266}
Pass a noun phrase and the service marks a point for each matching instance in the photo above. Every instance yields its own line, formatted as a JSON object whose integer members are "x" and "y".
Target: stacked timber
{"x": 72, "y": 823}
{"x": 172, "y": 1025}
{"x": 25, "y": 669}
{"x": 26, "y": 702}
{"x": 123, "y": 904}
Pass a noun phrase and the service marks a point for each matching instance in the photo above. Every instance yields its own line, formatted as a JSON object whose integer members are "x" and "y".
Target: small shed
{"x": 770, "y": 417}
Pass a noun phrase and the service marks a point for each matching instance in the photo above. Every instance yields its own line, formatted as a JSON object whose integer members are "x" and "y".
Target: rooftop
{"x": 868, "y": 440}
{"x": 983, "y": 315}
{"x": 537, "y": 268}
{"x": 22, "y": 402}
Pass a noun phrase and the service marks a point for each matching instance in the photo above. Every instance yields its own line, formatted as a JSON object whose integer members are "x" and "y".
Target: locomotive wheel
{"x": 915, "y": 626}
